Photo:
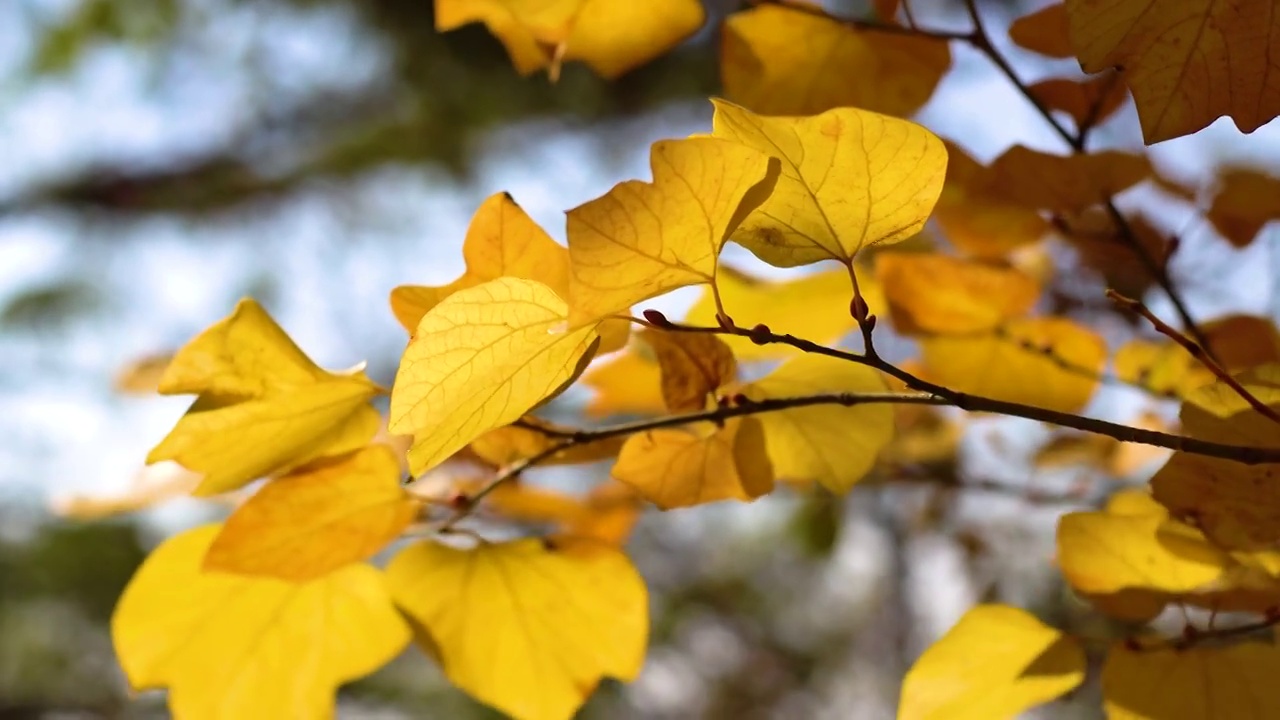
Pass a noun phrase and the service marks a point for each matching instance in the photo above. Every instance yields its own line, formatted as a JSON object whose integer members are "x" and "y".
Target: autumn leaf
{"x": 1206, "y": 682}
{"x": 141, "y": 376}
{"x": 262, "y": 407}
{"x": 977, "y": 217}
{"x": 641, "y": 239}
{"x": 697, "y": 464}
{"x": 515, "y": 443}
{"x": 934, "y": 293}
{"x": 849, "y": 179}
{"x": 693, "y": 366}
{"x": 316, "y": 519}
{"x": 526, "y": 627}
{"x": 606, "y": 513}
{"x": 1044, "y": 31}
{"x": 814, "y": 307}
{"x": 1066, "y": 183}
{"x": 1187, "y": 63}
{"x": 764, "y": 49}
{"x": 1220, "y": 496}
{"x": 1238, "y": 342}
{"x": 1088, "y": 102}
{"x": 1246, "y": 201}
{"x": 481, "y": 359}
{"x": 612, "y": 38}
{"x": 628, "y": 382}
{"x": 1049, "y": 362}
{"x": 1109, "y": 249}
{"x": 829, "y": 444}
{"x": 228, "y": 646}
{"x": 996, "y": 662}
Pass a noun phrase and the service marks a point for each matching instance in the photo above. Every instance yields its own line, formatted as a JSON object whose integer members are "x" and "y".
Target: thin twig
{"x": 1196, "y": 351}
{"x": 1193, "y": 636}
{"x": 871, "y": 25}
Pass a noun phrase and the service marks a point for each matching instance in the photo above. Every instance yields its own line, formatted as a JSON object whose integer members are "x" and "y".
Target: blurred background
{"x": 160, "y": 159}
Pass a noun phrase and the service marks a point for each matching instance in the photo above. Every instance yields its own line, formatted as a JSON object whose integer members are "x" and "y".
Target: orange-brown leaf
{"x": 934, "y": 293}
{"x": 1044, "y": 31}
{"x": 1067, "y": 183}
{"x": 1246, "y": 201}
{"x": 693, "y": 366}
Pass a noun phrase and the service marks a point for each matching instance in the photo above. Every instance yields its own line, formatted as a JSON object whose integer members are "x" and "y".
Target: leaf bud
{"x": 656, "y": 318}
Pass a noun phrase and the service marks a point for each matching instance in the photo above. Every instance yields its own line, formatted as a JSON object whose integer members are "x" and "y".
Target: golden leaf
{"x": 766, "y": 48}
{"x": 228, "y": 646}
{"x": 641, "y": 240}
{"x": 693, "y": 366}
{"x": 526, "y": 627}
{"x": 629, "y": 382}
{"x": 317, "y": 519}
{"x": 1044, "y": 31}
{"x": 1236, "y": 682}
{"x": 1187, "y": 63}
{"x": 263, "y": 407}
{"x": 511, "y": 444}
{"x": 934, "y": 293}
{"x": 1246, "y": 201}
{"x": 976, "y": 216}
{"x": 996, "y": 662}
{"x": 699, "y": 464}
{"x": 481, "y": 359}
{"x": 849, "y": 178}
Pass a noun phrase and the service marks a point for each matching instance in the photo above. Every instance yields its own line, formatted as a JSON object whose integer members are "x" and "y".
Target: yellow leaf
{"x": 612, "y": 512}
{"x": 317, "y": 519}
{"x": 502, "y": 241}
{"x": 976, "y": 217}
{"x": 1187, "y": 63}
{"x": 262, "y": 408}
{"x": 1087, "y": 101}
{"x": 814, "y": 307}
{"x": 1239, "y": 342}
{"x": 934, "y": 293}
{"x": 1236, "y": 682}
{"x": 641, "y": 239}
{"x": 693, "y": 366}
{"x": 1246, "y": 201}
{"x": 766, "y": 48}
{"x": 698, "y": 464}
{"x": 611, "y": 37}
{"x": 629, "y": 382}
{"x": 511, "y": 444}
{"x": 849, "y": 178}
{"x": 997, "y": 662}
{"x": 829, "y": 444}
{"x": 1067, "y": 183}
{"x": 527, "y": 628}
{"x": 1011, "y": 364}
{"x": 236, "y": 647}
{"x": 142, "y": 375}
{"x": 1228, "y": 500}
{"x": 1044, "y": 31}
{"x": 606, "y": 513}
{"x": 481, "y": 359}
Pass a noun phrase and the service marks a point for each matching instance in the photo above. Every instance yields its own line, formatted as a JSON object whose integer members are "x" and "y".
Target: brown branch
{"x": 1196, "y": 351}
{"x": 1193, "y": 636}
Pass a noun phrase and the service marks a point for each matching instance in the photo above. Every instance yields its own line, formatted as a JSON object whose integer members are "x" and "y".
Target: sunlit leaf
{"x": 628, "y": 382}
{"x": 1235, "y": 682}
{"x": 997, "y": 662}
{"x": 316, "y": 519}
{"x": 228, "y": 646}
{"x": 977, "y": 217}
{"x": 829, "y": 444}
{"x": 481, "y": 359}
{"x": 699, "y": 464}
{"x": 644, "y": 239}
{"x": 850, "y": 178}
{"x": 934, "y": 293}
{"x": 262, "y": 408}
{"x": 765, "y": 49}
{"x": 1187, "y": 63}
{"x": 527, "y": 627}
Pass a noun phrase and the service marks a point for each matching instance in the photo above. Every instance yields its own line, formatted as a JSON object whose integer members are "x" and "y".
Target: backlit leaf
{"x": 997, "y": 662}
{"x": 829, "y": 444}
{"x": 764, "y": 50}
{"x": 316, "y": 519}
{"x": 1087, "y": 101}
{"x": 228, "y": 646}
{"x": 693, "y": 366}
{"x": 850, "y": 178}
{"x": 1044, "y": 31}
{"x": 611, "y": 37}
{"x": 644, "y": 239}
{"x": 1067, "y": 183}
{"x": 934, "y": 293}
{"x": 814, "y": 307}
{"x": 1235, "y": 682}
{"x": 481, "y": 359}
{"x": 977, "y": 217}
{"x": 1246, "y": 201}
{"x": 525, "y": 627}
{"x": 627, "y": 382}
{"x": 699, "y": 464}
{"x": 262, "y": 408}
{"x": 1012, "y": 364}
{"x": 1187, "y": 63}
